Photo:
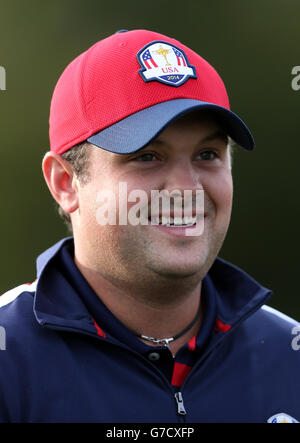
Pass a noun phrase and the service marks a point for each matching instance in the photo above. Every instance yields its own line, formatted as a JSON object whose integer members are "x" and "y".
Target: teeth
{"x": 189, "y": 220}
{"x": 154, "y": 220}
{"x": 174, "y": 222}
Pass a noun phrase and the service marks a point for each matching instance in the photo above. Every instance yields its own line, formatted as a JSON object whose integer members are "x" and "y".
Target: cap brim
{"x": 136, "y": 131}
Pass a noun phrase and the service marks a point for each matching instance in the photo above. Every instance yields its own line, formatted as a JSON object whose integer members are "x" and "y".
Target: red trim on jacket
{"x": 192, "y": 343}
{"x": 180, "y": 372}
{"x": 99, "y": 330}
{"x": 221, "y": 327}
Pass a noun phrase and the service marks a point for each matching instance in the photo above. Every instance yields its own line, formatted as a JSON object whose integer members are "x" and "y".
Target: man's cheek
{"x": 224, "y": 193}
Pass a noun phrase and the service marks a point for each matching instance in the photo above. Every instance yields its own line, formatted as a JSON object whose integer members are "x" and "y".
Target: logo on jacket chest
{"x": 282, "y": 418}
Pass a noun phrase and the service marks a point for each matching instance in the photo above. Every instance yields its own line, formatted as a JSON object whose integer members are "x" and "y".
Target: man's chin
{"x": 179, "y": 270}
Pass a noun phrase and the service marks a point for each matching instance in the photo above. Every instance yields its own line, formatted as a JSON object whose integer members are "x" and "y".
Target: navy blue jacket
{"x": 65, "y": 358}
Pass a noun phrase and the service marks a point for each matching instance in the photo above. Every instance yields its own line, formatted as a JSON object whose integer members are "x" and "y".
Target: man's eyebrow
{"x": 219, "y": 134}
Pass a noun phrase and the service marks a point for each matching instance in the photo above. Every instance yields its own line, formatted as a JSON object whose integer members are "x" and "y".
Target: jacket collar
{"x": 56, "y": 302}
{"x": 237, "y": 294}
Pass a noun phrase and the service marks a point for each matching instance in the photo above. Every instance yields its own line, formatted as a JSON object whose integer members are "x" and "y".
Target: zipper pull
{"x": 180, "y": 406}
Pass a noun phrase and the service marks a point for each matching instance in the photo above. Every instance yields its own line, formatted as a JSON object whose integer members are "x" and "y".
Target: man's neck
{"x": 159, "y": 312}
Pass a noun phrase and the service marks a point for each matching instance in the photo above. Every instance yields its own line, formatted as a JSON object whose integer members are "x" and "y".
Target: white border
{"x": 12, "y": 294}
{"x": 280, "y": 314}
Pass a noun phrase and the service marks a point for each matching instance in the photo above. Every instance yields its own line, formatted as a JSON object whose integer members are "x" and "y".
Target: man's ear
{"x": 61, "y": 181}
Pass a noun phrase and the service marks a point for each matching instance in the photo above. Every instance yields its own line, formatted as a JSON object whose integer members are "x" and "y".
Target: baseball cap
{"x": 125, "y": 89}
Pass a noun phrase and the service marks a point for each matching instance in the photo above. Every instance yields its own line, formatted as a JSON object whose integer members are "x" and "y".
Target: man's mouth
{"x": 175, "y": 222}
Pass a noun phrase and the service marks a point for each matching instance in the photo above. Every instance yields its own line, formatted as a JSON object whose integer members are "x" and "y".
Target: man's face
{"x": 190, "y": 154}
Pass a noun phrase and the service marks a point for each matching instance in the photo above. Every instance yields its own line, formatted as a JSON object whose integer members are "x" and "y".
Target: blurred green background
{"x": 253, "y": 45}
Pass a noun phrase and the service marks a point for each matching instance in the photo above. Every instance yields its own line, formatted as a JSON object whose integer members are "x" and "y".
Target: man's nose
{"x": 182, "y": 176}
{"x": 184, "y": 186}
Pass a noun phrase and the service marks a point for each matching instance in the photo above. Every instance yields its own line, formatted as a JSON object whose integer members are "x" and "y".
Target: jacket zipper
{"x": 180, "y": 405}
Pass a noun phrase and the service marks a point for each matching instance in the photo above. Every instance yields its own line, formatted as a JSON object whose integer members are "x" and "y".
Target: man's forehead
{"x": 199, "y": 117}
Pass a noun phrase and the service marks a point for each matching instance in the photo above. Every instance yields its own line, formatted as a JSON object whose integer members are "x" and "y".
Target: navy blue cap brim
{"x": 136, "y": 131}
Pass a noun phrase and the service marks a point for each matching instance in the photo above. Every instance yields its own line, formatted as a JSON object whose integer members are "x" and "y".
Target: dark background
{"x": 253, "y": 44}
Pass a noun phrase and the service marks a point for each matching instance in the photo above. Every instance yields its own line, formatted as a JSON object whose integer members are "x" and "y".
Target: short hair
{"x": 78, "y": 157}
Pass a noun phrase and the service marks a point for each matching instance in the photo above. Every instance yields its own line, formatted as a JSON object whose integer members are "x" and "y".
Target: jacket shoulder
{"x": 10, "y": 295}
{"x": 15, "y": 301}
{"x": 275, "y": 317}
{"x": 276, "y": 330}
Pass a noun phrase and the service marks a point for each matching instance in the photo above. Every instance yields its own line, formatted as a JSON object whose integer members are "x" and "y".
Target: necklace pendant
{"x": 166, "y": 341}
{"x": 158, "y": 341}
{"x": 152, "y": 339}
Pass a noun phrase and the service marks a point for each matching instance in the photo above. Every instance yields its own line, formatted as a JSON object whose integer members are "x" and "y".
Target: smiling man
{"x": 143, "y": 322}
{"x": 190, "y": 154}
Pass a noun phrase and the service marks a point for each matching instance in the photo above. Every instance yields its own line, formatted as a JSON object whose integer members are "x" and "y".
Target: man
{"x": 142, "y": 322}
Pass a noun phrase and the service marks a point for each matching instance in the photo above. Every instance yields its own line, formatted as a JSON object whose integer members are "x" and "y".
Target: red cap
{"x": 122, "y": 91}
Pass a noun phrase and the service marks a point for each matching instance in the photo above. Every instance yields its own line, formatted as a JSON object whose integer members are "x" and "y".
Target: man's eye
{"x": 208, "y": 155}
{"x": 146, "y": 157}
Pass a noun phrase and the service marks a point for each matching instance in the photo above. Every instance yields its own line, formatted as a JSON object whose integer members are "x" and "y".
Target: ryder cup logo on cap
{"x": 165, "y": 63}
